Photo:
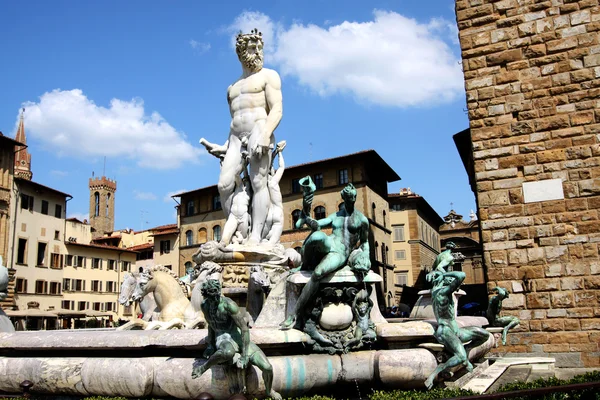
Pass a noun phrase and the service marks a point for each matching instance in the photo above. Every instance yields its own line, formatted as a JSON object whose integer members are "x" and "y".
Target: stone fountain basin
{"x": 126, "y": 363}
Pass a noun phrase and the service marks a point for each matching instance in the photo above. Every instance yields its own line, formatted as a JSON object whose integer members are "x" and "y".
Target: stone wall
{"x": 532, "y": 76}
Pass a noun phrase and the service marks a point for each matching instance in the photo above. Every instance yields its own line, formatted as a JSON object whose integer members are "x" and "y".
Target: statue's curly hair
{"x": 210, "y": 287}
{"x": 242, "y": 39}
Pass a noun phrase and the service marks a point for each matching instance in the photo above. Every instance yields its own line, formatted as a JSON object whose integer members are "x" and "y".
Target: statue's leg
{"x": 331, "y": 262}
{"x": 229, "y": 229}
{"x": 508, "y": 323}
{"x": 454, "y": 346}
{"x": 261, "y": 200}
{"x": 224, "y": 354}
{"x": 476, "y": 336}
{"x": 258, "y": 358}
{"x": 230, "y": 168}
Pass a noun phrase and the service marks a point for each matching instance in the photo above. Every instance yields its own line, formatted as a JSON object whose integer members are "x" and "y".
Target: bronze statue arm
{"x": 458, "y": 276}
{"x": 318, "y": 224}
{"x": 364, "y": 235}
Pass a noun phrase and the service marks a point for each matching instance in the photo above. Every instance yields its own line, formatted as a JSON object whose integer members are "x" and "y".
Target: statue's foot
{"x": 503, "y": 340}
{"x": 274, "y": 395}
{"x": 288, "y": 323}
{"x": 469, "y": 366}
{"x": 429, "y": 383}
{"x": 197, "y": 371}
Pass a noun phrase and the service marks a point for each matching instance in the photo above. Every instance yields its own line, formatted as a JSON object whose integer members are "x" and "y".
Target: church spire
{"x": 22, "y": 156}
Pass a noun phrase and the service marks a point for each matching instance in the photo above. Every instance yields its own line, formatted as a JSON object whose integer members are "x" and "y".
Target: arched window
{"x": 96, "y": 204}
{"x": 376, "y": 251}
{"x": 217, "y": 233}
{"x": 107, "y": 203}
{"x": 189, "y": 238}
{"x": 189, "y": 268}
{"x": 383, "y": 260}
{"x": 202, "y": 237}
{"x": 295, "y": 217}
{"x": 373, "y": 212}
{"x": 319, "y": 212}
{"x": 384, "y": 219}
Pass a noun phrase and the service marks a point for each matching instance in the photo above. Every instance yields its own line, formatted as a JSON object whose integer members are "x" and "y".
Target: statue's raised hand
{"x": 433, "y": 276}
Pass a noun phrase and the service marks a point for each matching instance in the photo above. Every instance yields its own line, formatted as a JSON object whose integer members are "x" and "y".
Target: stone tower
{"x": 532, "y": 78}
{"x": 102, "y": 205}
{"x": 22, "y": 156}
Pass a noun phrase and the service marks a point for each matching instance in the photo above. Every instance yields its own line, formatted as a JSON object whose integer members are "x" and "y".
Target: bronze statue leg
{"x": 224, "y": 354}
{"x": 508, "y": 323}
{"x": 259, "y": 359}
{"x": 454, "y": 346}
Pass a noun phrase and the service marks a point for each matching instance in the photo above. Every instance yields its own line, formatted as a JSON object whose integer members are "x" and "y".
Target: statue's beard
{"x": 253, "y": 62}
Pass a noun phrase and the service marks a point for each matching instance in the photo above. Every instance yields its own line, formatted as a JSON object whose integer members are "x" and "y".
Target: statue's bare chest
{"x": 351, "y": 224}
{"x": 248, "y": 86}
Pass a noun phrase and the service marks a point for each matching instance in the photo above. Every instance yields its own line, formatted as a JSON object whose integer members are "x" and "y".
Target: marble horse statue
{"x": 148, "y": 307}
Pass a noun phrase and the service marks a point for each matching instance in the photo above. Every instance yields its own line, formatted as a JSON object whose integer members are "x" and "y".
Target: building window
{"x": 202, "y": 236}
{"x": 397, "y": 207}
{"x": 45, "y": 207}
{"x": 343, "y": 176}
{"x": 110, "y": 286}
{"x": 383, "y": 255}
{"x": 373, "y": 212}
{"x": 125, "y": 266}
{"x": 67, "y": 285}
{"x": 56, "y": 235}
{"x": 96, "y": 204}
{"x": 189, "y": 210}
{"x": 398, "y": 233}
{"x": 22, "y": 252}
{"x": 21, "y": 285}
{"x": 79, "y": 285}
{"x": 54, "y": 287}
{"x": 41, "y": 254}
{"x": 58, "y": 211}
{"x": 65, "y": 305}
{"x": 400, "y": 254}
{"x": 189, "y": 238}
{"x": 69, "y": 260}
{"x": 96, "y": 263}
{"x": 319, "y": 212}
{"x": 109, "y": 306}
{"x": 107, "y": 205}
{"x": 216, "y": 202}
{"x": 41, "y": 287}
{"x": 296, "y": 185}
{"x": 165, "y": 246}
{"x": 79, "y": 261}
{"x": 384, "y": 219}
{"x": 96, "y": 306}
{"x": 26, "y": 202}
{"x": 295, "y": 217}
{"x": 401, "y": 279}
{"x": 189, "y": 268}
{"x": 217, "y": 233}
{"x": 56, "y": 261}
{"x": 81, "y": 306}
{"x": 111, "y": 265}
{"x": 318, "y": 180}
{"x": 96, "y": 286}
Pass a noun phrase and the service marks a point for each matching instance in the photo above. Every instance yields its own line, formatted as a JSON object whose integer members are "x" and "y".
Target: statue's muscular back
{"x": 247, "y": 100}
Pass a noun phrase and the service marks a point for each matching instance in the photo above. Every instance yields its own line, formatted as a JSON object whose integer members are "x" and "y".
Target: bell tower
{"x": 22, "y": 156}
{"x": 102, "y": 205}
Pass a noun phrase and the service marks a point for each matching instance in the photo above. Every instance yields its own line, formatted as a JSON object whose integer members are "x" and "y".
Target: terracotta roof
{"x": 163, "y": 227}
{"x": 167, "y": 232}
{"x": 101, "y": 246}
{"x": 140, "y": 247}
{"x": 392, "y": 176}
{"x": 40, "y": 186}
{"x": 101, "y": 238}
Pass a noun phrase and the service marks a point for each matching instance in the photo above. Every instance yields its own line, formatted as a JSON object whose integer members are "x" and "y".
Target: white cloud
{"x": 392, "y": 60}
{"x": 79, "y": 216}
{"x": 59, "y": 173}
{"x": 199, "y": 47}
{"x": 71, "y": 124}
{"x": 169, "y": 199}
{"x": 144, "y": 195}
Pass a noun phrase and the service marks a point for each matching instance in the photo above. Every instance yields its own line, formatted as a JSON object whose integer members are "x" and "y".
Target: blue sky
{"x": 141, "y": 82}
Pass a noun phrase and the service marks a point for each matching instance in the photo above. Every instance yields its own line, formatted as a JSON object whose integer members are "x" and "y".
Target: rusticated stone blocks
{"x": 532, "y": 77}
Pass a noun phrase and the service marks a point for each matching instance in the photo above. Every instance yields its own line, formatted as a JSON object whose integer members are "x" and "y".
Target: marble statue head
{"x": 249, "y": 49}
{"x": 349, "y": 193}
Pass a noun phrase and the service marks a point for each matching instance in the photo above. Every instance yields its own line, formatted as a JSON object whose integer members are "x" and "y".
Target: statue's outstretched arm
{"x": 458, "y": 276}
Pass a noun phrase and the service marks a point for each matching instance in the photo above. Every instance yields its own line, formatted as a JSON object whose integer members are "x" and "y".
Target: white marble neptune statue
{"x": 255, "y": 103}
